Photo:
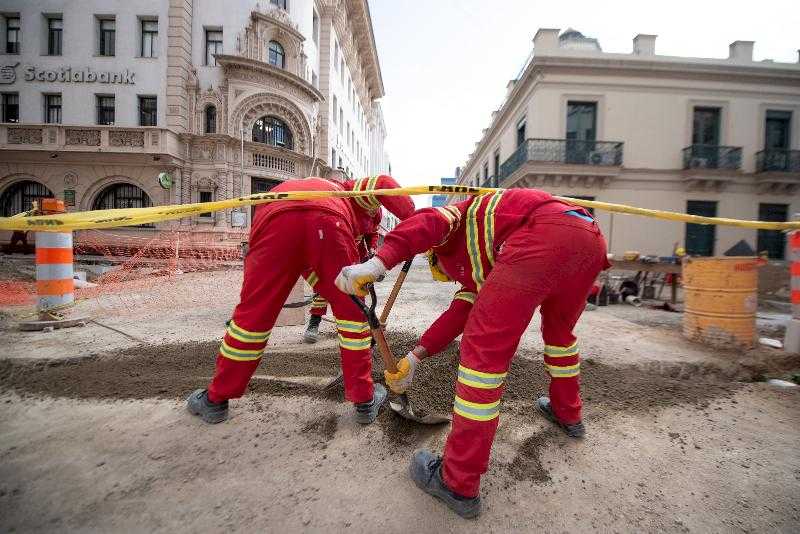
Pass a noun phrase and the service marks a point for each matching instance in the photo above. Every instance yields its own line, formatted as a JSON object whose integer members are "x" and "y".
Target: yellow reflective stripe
{"x": 447, "y": 214}
{"x": 237, "y": 332}
{"x": 240, "y": 355}
{"x": 554, "y": 351}
{"x": 467, "y": 296}
{"x": 473, "y": 247}
{"x": 319, "y": 302}
{"x": 355, "y": 344}
{"x": 488, "y": 226}
{"x": 312, "y": 279}
{"x": 369, "y": 203}
{"x": 352, "y": 326}
{"x": 371, "y": 187}
{"x": 481, "y": 374}
{"x": 475, "y": 410}
{"x": 361, "y": 201}
{"x": 565, "y": 371}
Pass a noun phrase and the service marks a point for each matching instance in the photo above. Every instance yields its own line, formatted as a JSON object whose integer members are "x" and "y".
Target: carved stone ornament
{"x": 24, "y": 136}
{"x": 83, "y": 137}
{"x": 204, "y": 151}
{"x": 125, "y": 138}
{"x": 70, "y": 179}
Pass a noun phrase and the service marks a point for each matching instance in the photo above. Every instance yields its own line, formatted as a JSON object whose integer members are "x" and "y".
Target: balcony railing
{"x": 712, "y": 157}
{"x": 571, "y": 151}
{"x": 778, "y": 160}
{"x": 491, "y": 181}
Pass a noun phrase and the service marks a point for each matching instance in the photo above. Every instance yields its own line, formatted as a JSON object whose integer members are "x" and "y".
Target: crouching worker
{"x": 289, "y": 238}
{"x": 512, "y": 251}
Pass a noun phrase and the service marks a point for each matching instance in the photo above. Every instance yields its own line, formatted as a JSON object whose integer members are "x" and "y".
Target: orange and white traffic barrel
{"x": 791, "y": 342}
{"x": 55, "y": 286}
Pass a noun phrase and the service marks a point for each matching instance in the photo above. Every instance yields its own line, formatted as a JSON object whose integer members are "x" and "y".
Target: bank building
{"x": 218, "y": 99}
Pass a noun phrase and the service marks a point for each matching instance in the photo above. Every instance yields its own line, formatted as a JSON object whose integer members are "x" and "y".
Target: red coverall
{"x": 287, "y": 239}
{"x": 512, "y": 251}
{"x": 366, "y": 247}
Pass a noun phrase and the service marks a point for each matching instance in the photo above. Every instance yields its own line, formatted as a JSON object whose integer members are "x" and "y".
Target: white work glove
{"x": 354, "y": 278}
{"x": 400, "y": 381}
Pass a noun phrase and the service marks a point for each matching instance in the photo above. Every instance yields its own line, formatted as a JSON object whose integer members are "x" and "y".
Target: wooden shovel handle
{"x": 395, "y": 291}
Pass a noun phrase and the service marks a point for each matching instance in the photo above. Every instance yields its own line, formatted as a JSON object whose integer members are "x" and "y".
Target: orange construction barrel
{"x": 720, "y": 297}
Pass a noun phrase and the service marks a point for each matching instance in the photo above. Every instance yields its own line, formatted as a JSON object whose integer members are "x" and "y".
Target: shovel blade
{"x": 400, "y": 405}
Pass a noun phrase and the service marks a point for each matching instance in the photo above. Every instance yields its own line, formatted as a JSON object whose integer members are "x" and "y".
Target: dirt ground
{"x": 95, "y": 436}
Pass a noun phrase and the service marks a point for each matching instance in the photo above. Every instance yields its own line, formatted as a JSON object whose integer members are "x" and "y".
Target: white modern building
{"x": 98, "y": 97}
{"x": 715, "y": 137}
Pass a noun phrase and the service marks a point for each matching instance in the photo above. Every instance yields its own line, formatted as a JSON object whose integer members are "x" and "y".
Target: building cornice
{"x": 231, "y": 63}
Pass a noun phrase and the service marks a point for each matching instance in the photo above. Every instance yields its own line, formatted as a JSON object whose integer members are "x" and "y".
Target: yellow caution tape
{"x": 82, "y": 220}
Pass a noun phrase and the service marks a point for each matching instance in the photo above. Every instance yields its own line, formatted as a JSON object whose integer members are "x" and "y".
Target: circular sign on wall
{"x": 165, "y": 179}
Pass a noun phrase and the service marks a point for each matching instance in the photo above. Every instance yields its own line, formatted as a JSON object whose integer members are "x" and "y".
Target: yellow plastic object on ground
{"x": 97, "y": 219}
{"x": 721, "y": 300}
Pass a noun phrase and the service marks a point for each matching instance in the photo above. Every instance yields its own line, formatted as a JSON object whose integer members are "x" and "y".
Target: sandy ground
{"x": 681, "y": 439}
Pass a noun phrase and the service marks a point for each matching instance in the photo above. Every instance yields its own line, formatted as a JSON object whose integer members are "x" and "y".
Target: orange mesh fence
{"x": 126, "y": 270}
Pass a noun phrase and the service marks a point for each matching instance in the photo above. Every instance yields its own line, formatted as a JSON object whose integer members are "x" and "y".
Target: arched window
{"x": 272, "y": 131}
{"x": 280, "y": 3}
{"x": 276, "y": 55}
{"x": 121, "y": 196}
{"x": 211, "y": 120}
{"x": 20, "y": 196}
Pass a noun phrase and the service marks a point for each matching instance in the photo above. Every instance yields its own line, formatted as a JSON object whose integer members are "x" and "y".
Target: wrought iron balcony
{"x": 570, "y": 151}
{"x": 712, "y": 157}
{"x": 490, "y": 181}
{"x": 778, "y": 160}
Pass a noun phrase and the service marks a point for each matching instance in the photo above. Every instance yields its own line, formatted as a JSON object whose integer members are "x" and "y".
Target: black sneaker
{"x": 311, "y": 334}
{"x": 210, "y": 412}
{"x": 367, "y": 412}
{"x": 576, "y": 430}
{"x": 426, "y": 472}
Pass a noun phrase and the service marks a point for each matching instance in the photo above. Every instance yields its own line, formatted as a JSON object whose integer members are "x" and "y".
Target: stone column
{"x": 179, "y": 63}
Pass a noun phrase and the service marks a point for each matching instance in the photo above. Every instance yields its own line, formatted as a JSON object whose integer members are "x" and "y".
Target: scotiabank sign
{"x": 32, "y": 73}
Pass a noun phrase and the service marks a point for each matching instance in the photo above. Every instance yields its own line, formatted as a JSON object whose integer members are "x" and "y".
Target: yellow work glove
{"x": 354, "y": 279}
{"x": 400, "y": 381}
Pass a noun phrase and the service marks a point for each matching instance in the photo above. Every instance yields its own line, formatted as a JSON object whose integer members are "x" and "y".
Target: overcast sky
{"x": 446, "y": 63}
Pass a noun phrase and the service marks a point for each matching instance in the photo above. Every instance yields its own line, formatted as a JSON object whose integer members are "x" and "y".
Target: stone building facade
{"x": 716, "y": 137}
{"x": 229, "y": 98}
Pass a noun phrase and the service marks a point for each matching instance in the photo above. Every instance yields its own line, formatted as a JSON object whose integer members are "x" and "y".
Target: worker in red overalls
{"x": 512, "y": 251}
{"x": 367, "y": 246}
{"x": 288, "y": 239}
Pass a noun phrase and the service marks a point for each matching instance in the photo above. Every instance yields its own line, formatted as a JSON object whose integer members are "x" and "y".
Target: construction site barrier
{"x": 791, "y": 342}
{"x": 136, "y": 216}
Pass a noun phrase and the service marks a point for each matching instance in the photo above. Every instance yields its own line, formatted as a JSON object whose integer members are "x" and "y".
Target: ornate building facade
{"x": 714, "y": 137}
{"x": 220, "y": 99}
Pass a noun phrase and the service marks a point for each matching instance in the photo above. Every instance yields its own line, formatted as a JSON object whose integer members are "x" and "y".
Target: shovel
{"x": 398, "y": 283}
{"x": 397, "y": 402}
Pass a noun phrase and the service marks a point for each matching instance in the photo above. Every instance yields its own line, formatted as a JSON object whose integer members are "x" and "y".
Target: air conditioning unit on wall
{"x": 698, "y": 163}
{"x": 600, "y": 158}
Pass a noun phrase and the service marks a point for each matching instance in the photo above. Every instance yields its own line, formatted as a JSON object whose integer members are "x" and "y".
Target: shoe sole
{"x": 210, "y": 419}
{"x": 469, "y": 515}
{"x": 552, "y": 418}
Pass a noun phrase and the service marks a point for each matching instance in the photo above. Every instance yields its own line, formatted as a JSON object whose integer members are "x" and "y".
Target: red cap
{"x": 401, "y": 206}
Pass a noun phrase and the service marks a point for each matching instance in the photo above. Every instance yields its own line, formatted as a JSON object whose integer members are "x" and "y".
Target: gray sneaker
{"x": 210, "y": 412}
{"x": 367, "y": 412}
{"x": 311, "y": 335}
{"x": 426, "y": 472}
{"x": 576, "y": 430}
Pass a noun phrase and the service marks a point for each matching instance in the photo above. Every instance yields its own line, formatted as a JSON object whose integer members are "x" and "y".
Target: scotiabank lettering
{"x": 87, "y": 75}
